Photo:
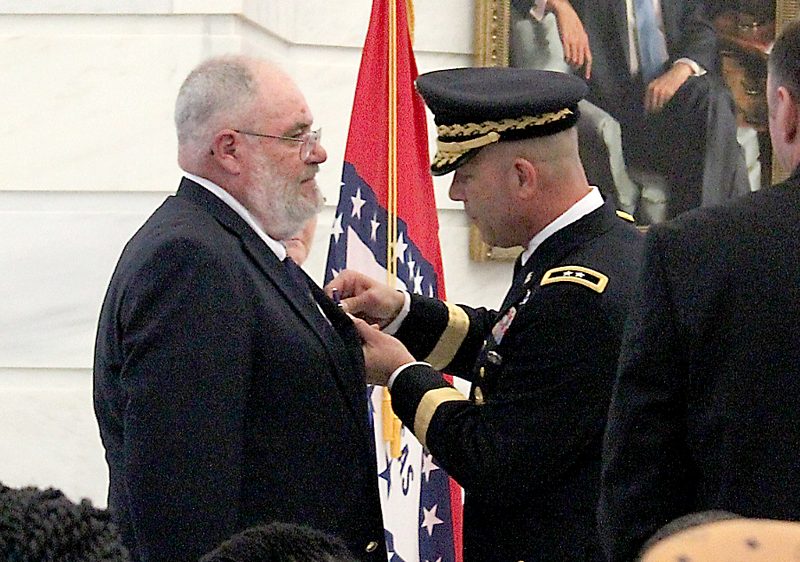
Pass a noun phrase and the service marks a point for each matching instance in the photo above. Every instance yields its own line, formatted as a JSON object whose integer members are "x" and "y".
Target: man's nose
{"x": 456, "y": 192}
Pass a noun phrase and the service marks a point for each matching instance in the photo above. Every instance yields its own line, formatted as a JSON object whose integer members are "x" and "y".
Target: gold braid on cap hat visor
{"x": 488, "y": 131}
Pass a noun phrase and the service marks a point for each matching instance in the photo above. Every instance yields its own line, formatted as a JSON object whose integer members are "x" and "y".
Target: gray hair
{"x": 217, "y": 87}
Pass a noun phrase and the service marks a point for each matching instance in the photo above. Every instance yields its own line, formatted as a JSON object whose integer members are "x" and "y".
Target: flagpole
{"x": 391, "y": 423}
{"x": 413, "y": 486}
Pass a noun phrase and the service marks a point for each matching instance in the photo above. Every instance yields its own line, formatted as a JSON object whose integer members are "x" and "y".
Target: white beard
{"x": 277, "y": 202}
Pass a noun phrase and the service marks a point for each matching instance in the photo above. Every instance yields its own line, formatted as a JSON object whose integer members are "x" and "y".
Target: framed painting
{"x": 744, "y": 43}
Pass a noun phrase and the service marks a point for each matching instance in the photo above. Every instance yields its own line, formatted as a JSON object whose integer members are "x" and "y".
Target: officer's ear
{"x": 526, "y": 178}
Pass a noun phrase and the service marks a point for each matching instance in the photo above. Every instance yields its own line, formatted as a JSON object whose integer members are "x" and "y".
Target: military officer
{"x": 526, "y": 444}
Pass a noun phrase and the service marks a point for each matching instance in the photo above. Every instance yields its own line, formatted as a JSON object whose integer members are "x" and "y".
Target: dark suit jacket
{"x": 704, "y": 414}
{"x": 529, "y": 456}
{"x": 224, "y": 397}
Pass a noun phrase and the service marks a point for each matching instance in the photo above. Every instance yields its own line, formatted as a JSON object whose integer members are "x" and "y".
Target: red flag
{"x": 387, "y": 227}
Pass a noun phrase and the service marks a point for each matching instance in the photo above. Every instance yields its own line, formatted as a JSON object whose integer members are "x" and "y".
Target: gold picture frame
{"x": 491, "y": 48}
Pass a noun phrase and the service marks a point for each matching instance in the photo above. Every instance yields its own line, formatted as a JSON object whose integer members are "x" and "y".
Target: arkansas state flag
{"x": 386, "y": 227}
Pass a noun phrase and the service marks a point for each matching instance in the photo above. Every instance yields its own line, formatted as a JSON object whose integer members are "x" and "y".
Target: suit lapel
{"x": 347, "y": 364}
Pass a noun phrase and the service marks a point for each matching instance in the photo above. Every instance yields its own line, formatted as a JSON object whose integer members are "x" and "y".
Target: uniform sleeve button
{"x": 372, "y": 546}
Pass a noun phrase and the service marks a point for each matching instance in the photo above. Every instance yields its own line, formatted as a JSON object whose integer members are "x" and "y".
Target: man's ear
{"x": 226, "y": 151}
{"x": 790, "y": 116}
{"x": 786, "y": 117}
{"x": 526, "y": 178}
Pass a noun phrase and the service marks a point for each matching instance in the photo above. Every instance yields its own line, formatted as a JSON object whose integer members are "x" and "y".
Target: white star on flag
{"x": 375, "y": 225}
{"x": 400, "y": 248}
{"x": 418, "y": 279}
{"x": 430, "y": 520}
{"x": 428, "y": 466}
{"x": 358, "y": 202}
{"x": 337, "y": 228}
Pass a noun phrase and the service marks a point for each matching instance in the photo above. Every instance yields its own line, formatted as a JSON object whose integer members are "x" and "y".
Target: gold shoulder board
{"x": 576, "y": 274}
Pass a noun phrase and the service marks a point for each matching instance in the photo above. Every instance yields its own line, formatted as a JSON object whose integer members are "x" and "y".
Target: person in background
{"x": 45, "y": 526}
{"x": 654, "y": 66}
{"x": 704, "y": 412}
{"x": 280, "y": 542}
{"x": 229, "y": 390}
{"x": 299, "y": 246}
{"x": 526, "y": 445}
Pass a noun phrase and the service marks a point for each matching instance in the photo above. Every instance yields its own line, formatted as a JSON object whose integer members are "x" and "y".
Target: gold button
{"x": 482, "y": 372}
{"x": 478, "y": 395}
{"x": 372, "y": 546}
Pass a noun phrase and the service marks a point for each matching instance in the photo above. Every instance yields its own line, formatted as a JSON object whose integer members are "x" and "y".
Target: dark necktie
{"x": 300, "y": 279}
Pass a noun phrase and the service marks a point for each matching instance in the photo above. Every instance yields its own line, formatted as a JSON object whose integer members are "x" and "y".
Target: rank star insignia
{"x": 576, "y": 274}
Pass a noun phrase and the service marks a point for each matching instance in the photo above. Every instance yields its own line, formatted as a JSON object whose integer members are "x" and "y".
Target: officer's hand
{"x": 366, "y": 298}
{"x": 383, "y": 354}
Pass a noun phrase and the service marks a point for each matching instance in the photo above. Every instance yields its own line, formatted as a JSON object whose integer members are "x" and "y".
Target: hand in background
{"x": 573, "y": 36}
{"x": 383, "y": 354}
{"x": 663, "y": 88}
{"x": 366, "y": 298}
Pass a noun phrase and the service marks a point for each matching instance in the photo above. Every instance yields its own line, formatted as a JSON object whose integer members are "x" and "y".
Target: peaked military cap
{"x": 474, "y": 107}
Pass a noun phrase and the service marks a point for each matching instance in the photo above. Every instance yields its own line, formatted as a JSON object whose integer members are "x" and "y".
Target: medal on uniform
{"x": 501, "y": 327}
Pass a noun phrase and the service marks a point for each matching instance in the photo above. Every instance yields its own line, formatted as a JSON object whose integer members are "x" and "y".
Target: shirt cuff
{"x": 402, "y": 368}
{"x": 697, "y": 70}
{"x": 394, "y": 325}
{"x": 538, "y": 9}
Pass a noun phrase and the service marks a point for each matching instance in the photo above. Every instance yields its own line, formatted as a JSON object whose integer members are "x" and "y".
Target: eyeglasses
{"x": 309, "y": 140}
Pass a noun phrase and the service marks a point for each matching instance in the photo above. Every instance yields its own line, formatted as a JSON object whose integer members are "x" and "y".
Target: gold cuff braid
{"x": 451, "y": 339}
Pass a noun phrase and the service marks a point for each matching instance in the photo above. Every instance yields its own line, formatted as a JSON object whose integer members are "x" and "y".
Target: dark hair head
{"x": 784, "y": 60}
{"x": 280, "y": 542}
{"x": 45, "y": 526}
{"x": 688, "y": 521}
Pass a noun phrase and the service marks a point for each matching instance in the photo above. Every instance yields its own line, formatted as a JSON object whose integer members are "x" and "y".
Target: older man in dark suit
{"x": 229, "y": 389}
{"x": 704, "y": 414}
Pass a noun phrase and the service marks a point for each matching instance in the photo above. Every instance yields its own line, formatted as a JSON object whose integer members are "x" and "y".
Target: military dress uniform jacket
{"x": 526, "y": 446}
{"x": 705, "y": 412}
{"x": 224, "y": 397}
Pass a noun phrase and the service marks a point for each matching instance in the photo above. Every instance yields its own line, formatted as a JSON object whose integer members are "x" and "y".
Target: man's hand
{"x": 383, "y": 354}
{"x": 663, "y": 88}
{"x": 573, "y": 37}
{"x": 366, "y": 298}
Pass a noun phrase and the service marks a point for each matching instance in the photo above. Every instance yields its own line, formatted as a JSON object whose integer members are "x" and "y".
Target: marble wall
{"x": 88, "y": 151}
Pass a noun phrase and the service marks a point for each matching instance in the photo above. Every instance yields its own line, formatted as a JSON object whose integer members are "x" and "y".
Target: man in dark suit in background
{"x": 655, "y": 68}
{"x": 704, "y": 414}
{"x": 229, "y": 389}
{"x": 526, "y": 445}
